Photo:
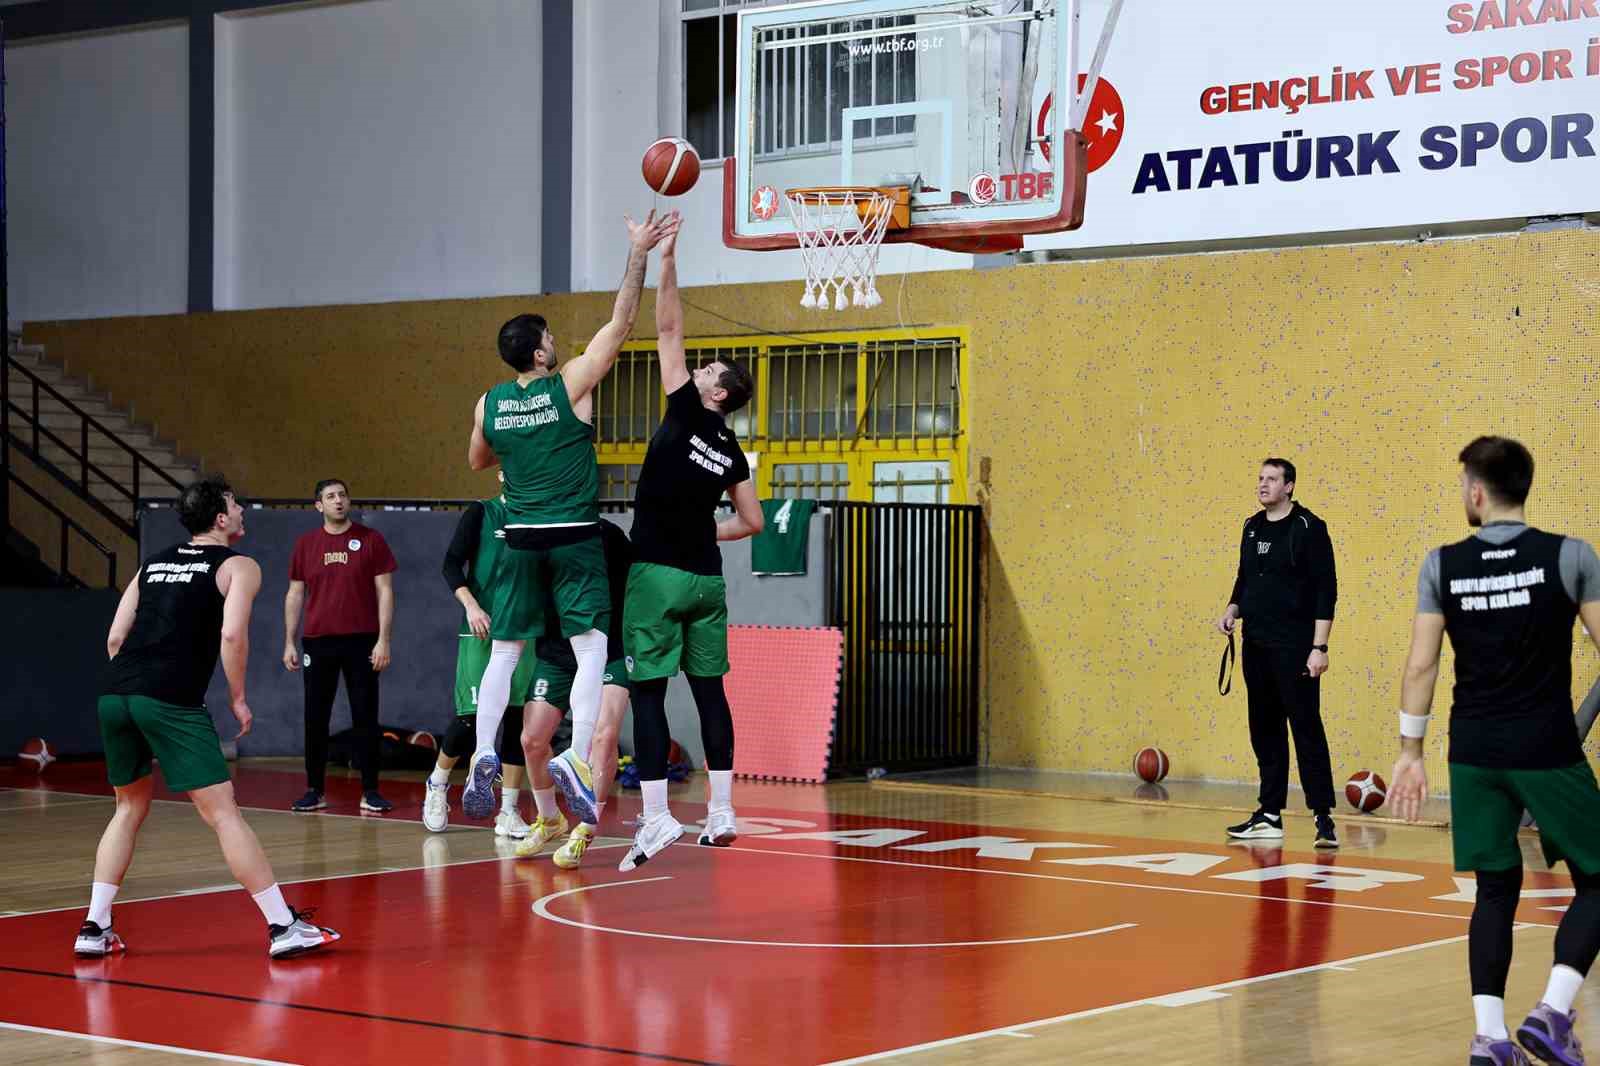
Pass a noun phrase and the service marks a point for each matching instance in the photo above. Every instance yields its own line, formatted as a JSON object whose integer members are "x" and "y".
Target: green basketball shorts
{"x": 138, "y": 728}
{"x": 552, "y": 682}
{"x": 1486, "y": 810}
{"x": 674, "y": 620}
{"x": 472, "y": 658}
{"x": 516, "y": 599}
{"x": 571, "y": 577}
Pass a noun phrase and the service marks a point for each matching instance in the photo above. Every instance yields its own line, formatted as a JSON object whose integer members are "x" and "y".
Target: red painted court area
{"x": 816, "y": 938}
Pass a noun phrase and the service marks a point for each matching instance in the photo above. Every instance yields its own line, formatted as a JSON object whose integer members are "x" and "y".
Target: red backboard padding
{"x": 784, "y": 690}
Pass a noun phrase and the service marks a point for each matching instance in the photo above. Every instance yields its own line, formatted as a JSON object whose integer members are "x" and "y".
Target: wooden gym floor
{"x": 921, "y": 922}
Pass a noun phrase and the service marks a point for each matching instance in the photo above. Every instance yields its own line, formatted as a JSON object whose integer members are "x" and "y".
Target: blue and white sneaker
{"x": 478, "y": 798}
{"x": 576, "y": 782}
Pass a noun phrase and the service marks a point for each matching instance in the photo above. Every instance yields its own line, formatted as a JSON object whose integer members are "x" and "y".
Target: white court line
{"x": 214, "y": 1055}
{"x": 541, "y": 907}
{"x": 1193, "y": 995}
{"x": 1110, "y": 884}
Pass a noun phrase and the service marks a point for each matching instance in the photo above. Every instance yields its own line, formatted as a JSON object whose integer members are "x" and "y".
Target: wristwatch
{"x": 1323, "y": 648}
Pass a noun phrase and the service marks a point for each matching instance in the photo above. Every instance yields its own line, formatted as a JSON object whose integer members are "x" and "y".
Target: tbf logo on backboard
{"x": 982, "y": 189}
{"x": 764, "y": 202}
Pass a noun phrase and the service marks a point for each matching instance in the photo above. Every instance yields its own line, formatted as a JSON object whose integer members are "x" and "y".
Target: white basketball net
{"x": 840, "y": 232}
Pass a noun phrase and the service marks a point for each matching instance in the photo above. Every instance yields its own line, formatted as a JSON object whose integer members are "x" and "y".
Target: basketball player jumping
{"x": 477, "y": 567}
{"x": 552, "y": 692}
{"x": 1507, "y": 596}
{"x": 677, "y": 605}
{"x": 185, "y": 607}
{"x": 539, "y": 428}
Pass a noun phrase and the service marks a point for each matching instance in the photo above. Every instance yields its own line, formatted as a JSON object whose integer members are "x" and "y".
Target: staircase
{"x": 81, "y": 467}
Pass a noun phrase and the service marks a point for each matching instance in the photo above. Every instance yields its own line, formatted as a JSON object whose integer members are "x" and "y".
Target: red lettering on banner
{"x": 1508, "y": 14}
{"x": 1524, "y": 68}
{"x": 1291, "y": 94}
{"x": 1417, "y": 78}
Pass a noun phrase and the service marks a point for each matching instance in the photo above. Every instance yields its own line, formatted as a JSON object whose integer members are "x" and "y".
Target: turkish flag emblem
{"x": 1102, "y": 125}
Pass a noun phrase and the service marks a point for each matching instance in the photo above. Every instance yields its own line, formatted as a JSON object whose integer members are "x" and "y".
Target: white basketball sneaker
{"x": 510, "y": 824}
{"x": 436, "y": 808}
{"x": 721, "y": 828}
{"x": 652, "y": 838}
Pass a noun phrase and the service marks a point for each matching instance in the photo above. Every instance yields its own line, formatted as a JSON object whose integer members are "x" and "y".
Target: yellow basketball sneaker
{"x": 540, "y": 833}
{"x": 570, "y": 854}
{"x": 576, "y": 780}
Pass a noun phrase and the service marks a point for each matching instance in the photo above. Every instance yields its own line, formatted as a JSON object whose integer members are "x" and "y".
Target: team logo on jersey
{"x": 628, "y": 662}
{"x": 355, "y": 545}
{"x": 305, "y": 660}
{"x": 499, "y": 534}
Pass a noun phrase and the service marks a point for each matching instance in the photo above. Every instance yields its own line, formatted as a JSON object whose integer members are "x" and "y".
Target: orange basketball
{"x": 36, "y": 753}
{"x": 1366, "y": 791}
{"x": 671, "y": 166}
{"x": 1151, "y": 764}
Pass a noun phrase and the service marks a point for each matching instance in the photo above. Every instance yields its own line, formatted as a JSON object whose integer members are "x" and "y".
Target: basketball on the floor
{"x": 1151, "y": 764}
{"x": 424, "y": 739}
{"x": 671, "y": 166}
{"x": 36, "y": 752}
{"x": 1366, "y": 791}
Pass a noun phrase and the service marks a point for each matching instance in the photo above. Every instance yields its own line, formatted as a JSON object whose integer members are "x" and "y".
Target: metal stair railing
{"x": 28, "y": 435}
{"x": 68, "y": 526}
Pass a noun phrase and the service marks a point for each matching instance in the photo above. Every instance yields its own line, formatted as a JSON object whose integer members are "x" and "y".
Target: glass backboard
{"x": 957, "y": 101}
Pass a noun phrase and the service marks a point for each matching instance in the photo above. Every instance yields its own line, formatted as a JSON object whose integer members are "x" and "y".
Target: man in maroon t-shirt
{"x": 343, "y": 574}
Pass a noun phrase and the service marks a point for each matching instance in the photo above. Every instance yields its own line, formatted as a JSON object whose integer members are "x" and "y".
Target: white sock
{"x": 100, "y": 896}
{"x": 721, "y": 789}
{"x": 273, "y": 908}
{"x": 655, "y": 799}
{"x": 494, "y": 690}
{"x": 545, "y": 800}
{"x": 440, "y": 776}
{"x": 590, "y": 650}
{"x": 1491, "y": 1014}
{"x": 508, "y": 799}
{"x": 1559, "y": 993}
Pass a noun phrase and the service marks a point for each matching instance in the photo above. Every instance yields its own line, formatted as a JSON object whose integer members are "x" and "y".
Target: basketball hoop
{"x": 840, "y": 229}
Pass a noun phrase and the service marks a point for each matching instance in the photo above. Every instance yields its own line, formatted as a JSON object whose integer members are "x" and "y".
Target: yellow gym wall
{"x": 1118, "y": 412}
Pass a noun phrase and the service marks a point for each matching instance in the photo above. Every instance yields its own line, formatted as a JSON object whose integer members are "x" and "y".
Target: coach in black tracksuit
{"x": 1284, "y": 593}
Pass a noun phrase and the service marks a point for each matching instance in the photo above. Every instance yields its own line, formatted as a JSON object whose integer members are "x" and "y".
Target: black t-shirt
{"x": 171, "y": 651}
{"x": 1286, "y": 579}
{"x": 693, "y": 459}
{"x": 551, "y": 647}
{"x": 1510, "y": 621}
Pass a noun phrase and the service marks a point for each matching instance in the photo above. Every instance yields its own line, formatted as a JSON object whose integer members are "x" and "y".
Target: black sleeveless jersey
{"x": 171, "y": 652}
{"x": 1510, "y": 622}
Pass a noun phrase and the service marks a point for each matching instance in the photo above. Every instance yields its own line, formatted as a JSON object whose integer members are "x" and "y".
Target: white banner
{"x": 1259, "y": 118}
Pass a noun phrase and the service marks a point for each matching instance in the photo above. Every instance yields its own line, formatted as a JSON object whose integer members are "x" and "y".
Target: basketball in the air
{"x": 671, "y": 166}
{"x": 1151, "y": 764}
{"x": 36, "y": 753}
{"x": 1366, "y": 791}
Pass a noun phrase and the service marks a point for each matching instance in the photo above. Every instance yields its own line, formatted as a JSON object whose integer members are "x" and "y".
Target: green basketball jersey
{"x": 485, "y": 561}
{"x": 780, "y": 547}
{"x": 547, "y": 454}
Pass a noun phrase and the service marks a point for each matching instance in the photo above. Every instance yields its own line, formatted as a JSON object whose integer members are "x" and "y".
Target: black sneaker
{"x": 371, "y": 801}
{"x": 1259, "y": 826}
{"x": 1326, "y": 836}
{"x": 298, "y": 937}
{"x": 311, "y": 801}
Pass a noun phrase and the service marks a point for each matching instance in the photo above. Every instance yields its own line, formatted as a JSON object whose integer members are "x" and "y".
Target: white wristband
{"x": 1414, "y": 726}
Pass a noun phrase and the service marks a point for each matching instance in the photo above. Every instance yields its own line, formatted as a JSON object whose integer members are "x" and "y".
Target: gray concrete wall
{"x": 415, "y": 691}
